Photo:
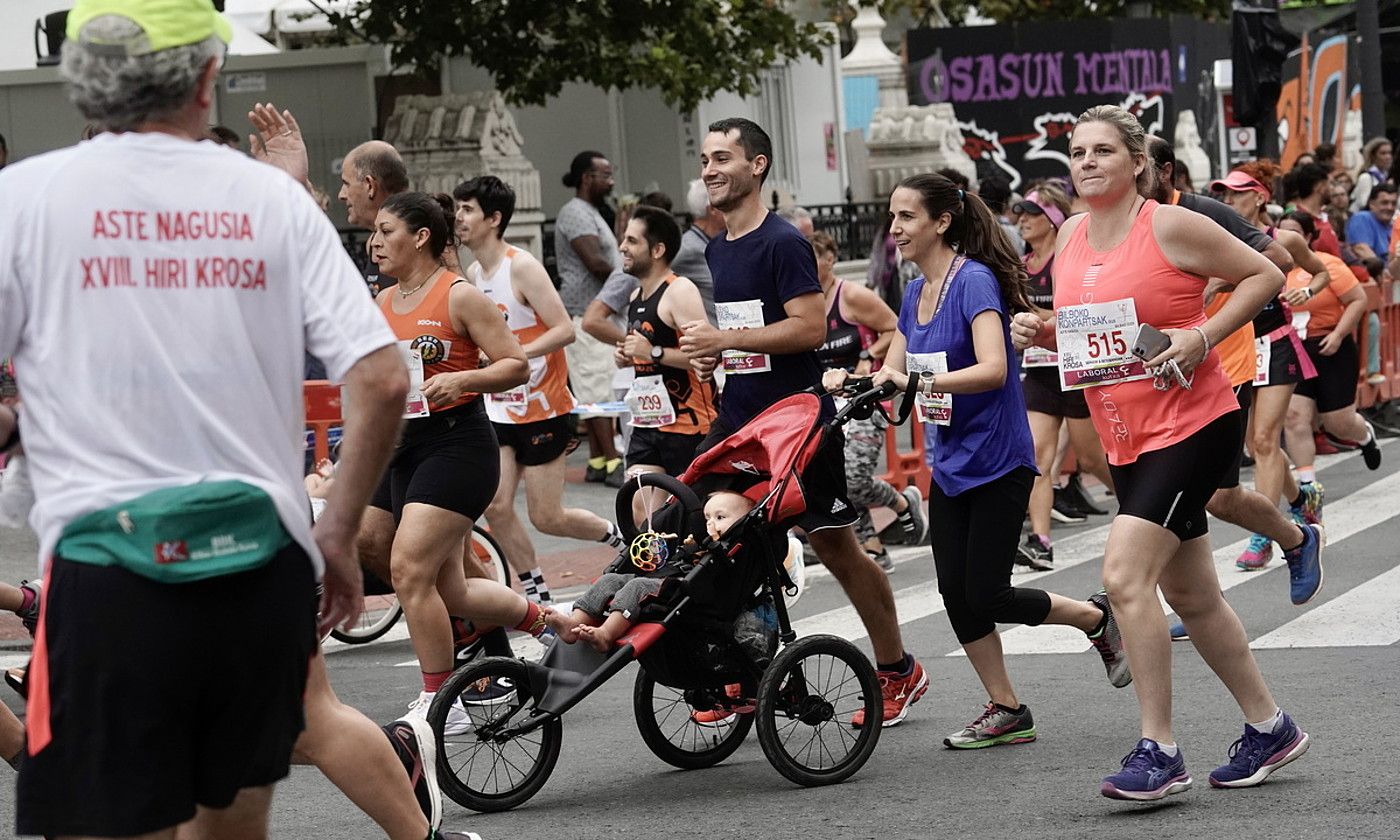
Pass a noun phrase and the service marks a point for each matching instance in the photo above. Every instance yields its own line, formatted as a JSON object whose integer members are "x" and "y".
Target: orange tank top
{"x": 1236, "y": 349}
{"x": 428, "y": 329}
{"x": 1134, "y": 417}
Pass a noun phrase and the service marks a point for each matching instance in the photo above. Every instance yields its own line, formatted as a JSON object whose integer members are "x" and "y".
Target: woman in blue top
{"x": 953, "y": 334}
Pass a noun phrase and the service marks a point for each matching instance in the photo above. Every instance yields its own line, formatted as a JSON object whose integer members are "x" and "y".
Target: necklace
{"x": 404, "y": 294}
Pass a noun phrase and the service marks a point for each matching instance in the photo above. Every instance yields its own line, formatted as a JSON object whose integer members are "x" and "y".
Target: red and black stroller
{"x": 708, "y": 644}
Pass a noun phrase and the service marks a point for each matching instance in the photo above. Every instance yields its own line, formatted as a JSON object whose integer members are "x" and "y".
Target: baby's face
{"x": 722, "y": 510}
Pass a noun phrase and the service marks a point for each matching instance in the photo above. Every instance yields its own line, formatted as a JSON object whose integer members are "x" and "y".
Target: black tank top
{"x": 843, "y": 345}
{"x": 694, "y": 400}
{"x": 1040, "y": 289}
{"x": 1273, "y": 315}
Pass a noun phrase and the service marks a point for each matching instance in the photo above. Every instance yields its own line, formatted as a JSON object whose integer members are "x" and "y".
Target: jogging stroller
{"x": 701, "y": 686}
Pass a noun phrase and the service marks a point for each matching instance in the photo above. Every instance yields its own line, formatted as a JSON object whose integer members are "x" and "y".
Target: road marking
{"x": 1364, "y": 616}
{"x": 1357, "y": 512}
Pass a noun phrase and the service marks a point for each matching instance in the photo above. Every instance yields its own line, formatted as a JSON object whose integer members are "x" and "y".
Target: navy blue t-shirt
{"x": 772, "y": 264}
{"x": 988, "y": 435}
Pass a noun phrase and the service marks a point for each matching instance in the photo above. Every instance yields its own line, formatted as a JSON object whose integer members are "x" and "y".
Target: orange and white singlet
{"x": 428, "y": 329}
{"x": 546, "y": 395}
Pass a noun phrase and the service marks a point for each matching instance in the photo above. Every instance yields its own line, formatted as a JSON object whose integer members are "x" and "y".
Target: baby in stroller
{"x": 609, "y": 608}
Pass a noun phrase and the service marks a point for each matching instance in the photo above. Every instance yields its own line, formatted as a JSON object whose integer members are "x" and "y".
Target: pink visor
{"x": 1037, "y": 206}
{"x": 1240, "y": 182}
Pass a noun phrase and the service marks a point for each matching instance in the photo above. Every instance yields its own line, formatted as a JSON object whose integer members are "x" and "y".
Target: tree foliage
{"x": 689, "y": 50}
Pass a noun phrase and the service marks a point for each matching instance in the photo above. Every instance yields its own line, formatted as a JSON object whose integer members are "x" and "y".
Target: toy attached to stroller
{"x": 706, "y": 643}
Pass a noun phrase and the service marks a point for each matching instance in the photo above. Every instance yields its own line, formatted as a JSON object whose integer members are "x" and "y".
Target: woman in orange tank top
{"x": 1130, "y": 262}
{"x": 445, "y": 467}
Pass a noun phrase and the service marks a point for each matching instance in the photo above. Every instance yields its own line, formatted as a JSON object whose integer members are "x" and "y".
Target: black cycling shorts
{"x": 539, "y": 442}
{"x": 823, "y": 484}
{"x": 1041, "y": 388}
{"x": 449, "y": 460}
{"x": 1170, "y": 487}
{"x": 1334, "y": 387}
{"x": 166, "y": 696}
{"x": 670, "y": 451}
{"x": 1244, "y": 395}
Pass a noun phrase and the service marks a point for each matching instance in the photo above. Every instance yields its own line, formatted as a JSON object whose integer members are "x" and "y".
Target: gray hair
{"x": 697, "y": 199}
{"x": 794, "y": 213}
{"x": 119, "y": 91}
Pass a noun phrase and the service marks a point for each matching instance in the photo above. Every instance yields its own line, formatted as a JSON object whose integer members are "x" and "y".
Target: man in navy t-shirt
{"x": 772, "y": 318}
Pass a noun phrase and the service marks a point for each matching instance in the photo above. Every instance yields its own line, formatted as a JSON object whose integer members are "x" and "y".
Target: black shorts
{"x": 1284, "y": 367}
{"x": 449, "y": 460}
{"x": 823, "y": 484}
{"x": 1334, "y": 387}
{"x": 1170, "y": 487}
{"x": 1244, "y": 395}
{"x": 165, "y": 696}
{"x": 1041, "y": 388}
{"x": 539, "y": 442}
{"x": 669, "y": 451}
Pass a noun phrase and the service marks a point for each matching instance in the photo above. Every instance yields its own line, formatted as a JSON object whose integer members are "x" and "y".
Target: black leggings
{"x": 975, "y": 535}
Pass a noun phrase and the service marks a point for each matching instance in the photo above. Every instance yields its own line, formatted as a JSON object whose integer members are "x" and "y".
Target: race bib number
{"x": 931, "y": 408}
{"x": 417, "y": 404}
{"x": 742, "y": 315}
{"x": 1039, "y": 357}
{"x": 1263, "y": 353}
{"x": 1095, "y": 344}
{"x": 1300, "y": 322}
{"x": 649, "y": 403}
{"x": 514, "y": 398}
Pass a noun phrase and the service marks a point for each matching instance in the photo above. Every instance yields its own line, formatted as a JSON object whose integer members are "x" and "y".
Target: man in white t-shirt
{"x": 157, "y": 295}
{"x": 585, "y": 251}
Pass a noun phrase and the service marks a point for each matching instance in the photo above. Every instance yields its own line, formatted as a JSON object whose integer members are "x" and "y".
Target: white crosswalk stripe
{"x": 1363, "y": 616}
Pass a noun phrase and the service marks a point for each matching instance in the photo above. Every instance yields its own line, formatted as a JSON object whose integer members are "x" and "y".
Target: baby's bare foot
{"x": 595, "y": 637}
{"x": 564, "y": 626}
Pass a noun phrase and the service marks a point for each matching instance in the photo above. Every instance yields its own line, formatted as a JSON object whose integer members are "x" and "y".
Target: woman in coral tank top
{"x": 1130, "y": 262}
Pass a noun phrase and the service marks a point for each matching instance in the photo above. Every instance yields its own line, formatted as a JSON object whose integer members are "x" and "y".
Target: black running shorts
{"x": 165, "y": 696}
{"x": 1284, "y": 367}
{"x": 823, "y": 484}
{"x": 1334, "y": 387}
{"x": 449, "y": 460}
{"x": 1244, "y": 395}
{"x": 667, "y": 450}
{"x": 1041, "y": 388}
{"x": 539, "y": 442}
{"x": 1170, "y": 487}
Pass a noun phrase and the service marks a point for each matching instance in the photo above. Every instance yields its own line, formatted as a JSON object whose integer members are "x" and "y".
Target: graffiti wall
{"x": 1018, "y": 88}
{"x": 1321, "y": 97}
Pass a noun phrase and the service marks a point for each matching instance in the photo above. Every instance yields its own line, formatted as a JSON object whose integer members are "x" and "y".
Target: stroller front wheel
{"x": 666, "y": 720}
{"x": 805, "y": 703}
{"x": 482, "y": 763}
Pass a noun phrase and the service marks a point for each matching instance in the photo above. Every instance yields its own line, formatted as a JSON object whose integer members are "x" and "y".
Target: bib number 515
{"x": 1107, "y": 344}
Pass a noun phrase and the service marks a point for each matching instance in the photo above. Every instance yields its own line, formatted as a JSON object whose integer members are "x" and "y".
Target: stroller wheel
{"x": 805, "y": 703}
{"x": 381, "y": 613}
{"x": 668, "y": 726}
{"x": 482, "y": 762}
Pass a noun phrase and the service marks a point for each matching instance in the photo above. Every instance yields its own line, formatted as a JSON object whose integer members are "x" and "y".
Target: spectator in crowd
{"x": 800, "y": 218}
{"x": 1371, "y": 227}
{"x": 1325, "y": 155}
{"x": 586, "y": 250}
{"x": 1376, "y": 158}
{"x": 995, "y": 191}
{"x": 1313, "y": 189}
{"x": 690, "y": 260}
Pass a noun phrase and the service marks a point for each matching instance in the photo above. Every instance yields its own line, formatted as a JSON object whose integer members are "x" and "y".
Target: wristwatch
{"x": 656, "y": 353}
{"x": 864, "y": 355}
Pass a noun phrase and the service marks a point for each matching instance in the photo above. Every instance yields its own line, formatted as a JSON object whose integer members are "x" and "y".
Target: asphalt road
{"x": 1334, "y": 665}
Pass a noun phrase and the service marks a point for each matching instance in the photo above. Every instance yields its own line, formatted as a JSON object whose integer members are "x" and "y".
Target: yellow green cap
{"x": 167, "y": 23}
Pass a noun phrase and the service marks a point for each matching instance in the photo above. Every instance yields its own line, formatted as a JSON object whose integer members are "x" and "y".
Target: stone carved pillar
{"x": 447, "y": 139}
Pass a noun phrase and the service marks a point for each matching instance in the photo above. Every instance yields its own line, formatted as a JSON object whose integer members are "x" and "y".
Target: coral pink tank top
{"x": 1134, "y": 417}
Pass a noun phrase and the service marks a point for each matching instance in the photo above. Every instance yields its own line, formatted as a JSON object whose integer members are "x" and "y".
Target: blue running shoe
{"x": 1256, "y": 755}
{"x": 1178, "y": 631}
{"x": 1148, "y": 774}
{"x": 1305, "y": 566}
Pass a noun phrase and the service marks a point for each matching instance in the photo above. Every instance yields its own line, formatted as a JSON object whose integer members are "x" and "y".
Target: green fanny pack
{"x": 180, "y": 534}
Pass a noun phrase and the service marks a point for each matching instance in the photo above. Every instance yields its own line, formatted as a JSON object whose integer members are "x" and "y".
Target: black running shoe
{"x": 1035, "y": 554}
{"x": 1065, "y": 511}
{"x": 1370, "y": 452}
{"x": 1079, "y": 497}
{"x": 413, "y": 742}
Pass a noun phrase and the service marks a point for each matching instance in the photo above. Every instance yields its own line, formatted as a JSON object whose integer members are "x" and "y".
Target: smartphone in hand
{"x": 1151, "y": 342}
